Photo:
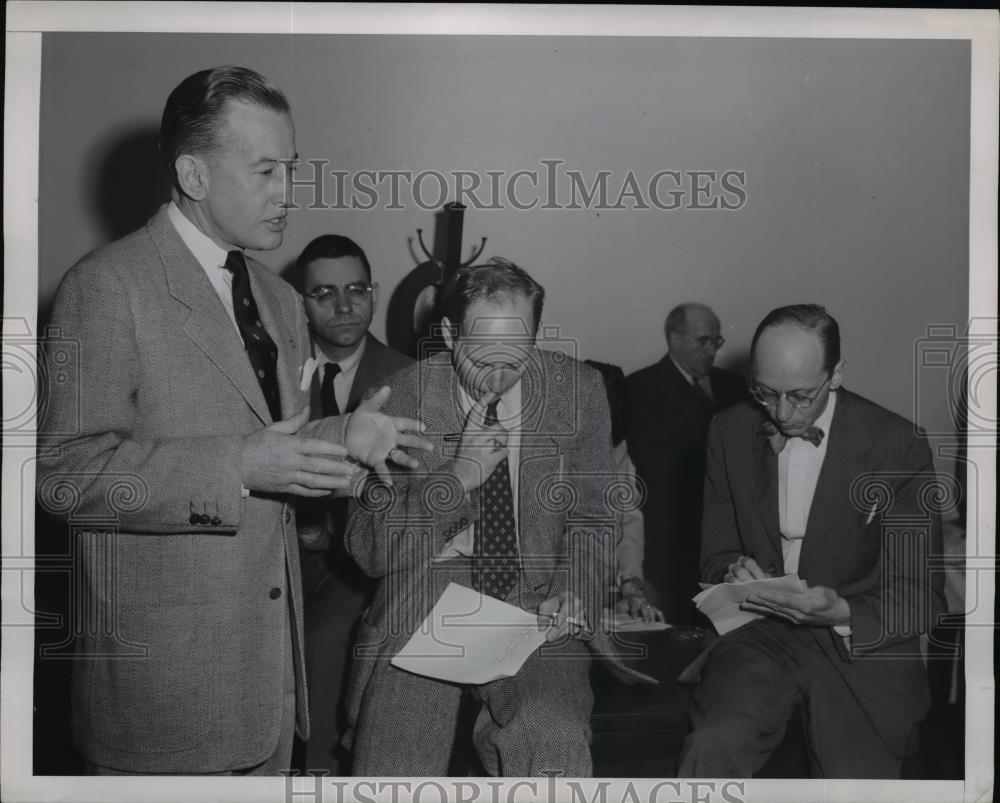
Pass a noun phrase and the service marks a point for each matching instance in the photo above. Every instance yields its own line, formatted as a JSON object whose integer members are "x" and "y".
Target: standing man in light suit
{"x": 335, "y": 278}
{"x": 809, "y": 480}
{"x": 183, "y": 431}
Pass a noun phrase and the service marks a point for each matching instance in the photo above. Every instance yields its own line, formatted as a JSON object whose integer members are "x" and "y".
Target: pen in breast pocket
{"x": 871, "y": 513}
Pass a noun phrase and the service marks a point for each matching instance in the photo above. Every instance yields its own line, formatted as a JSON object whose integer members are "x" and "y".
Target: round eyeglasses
{"x": 797, "y": 398}
{"x": 329, "y": 295}
{"x": 705, "y": 341}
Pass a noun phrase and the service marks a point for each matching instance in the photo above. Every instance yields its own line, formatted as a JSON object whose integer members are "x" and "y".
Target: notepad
{"x": 469, "y": 637}
{"x": 721, "y": 603}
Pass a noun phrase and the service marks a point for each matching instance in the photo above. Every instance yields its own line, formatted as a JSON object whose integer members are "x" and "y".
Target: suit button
{"x": 216, "y": 521}
{"x": 288, "y": 516}
{"x": 194, "y": 518}
{"x": 275, "y": 593}
{"x": 772, "y": 569}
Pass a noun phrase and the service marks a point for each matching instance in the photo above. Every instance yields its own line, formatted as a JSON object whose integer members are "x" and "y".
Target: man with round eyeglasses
{"x": 670, "y": 405}
{"x": 811, "y": 479}
{"x": 340, "y": 298}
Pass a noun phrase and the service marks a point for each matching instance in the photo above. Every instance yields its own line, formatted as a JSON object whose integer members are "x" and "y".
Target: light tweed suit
{"x": 538, "y": 720}
{"x": 182, "y": 661}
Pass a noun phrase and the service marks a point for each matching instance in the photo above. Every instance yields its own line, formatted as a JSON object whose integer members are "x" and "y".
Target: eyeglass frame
{"x": 798, "y": 404}
{"x": 333, "y": 291}
{"x": 704, "y": 341}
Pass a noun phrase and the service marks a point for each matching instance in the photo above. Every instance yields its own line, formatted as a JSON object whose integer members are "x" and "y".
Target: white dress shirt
{"x": 509, "y": 417}
{"x": 211, "y": 256}
{"x": 799, "y": 464}
{"x": 344, "y": 381}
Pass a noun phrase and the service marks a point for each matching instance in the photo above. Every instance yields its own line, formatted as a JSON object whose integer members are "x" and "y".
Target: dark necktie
{"x": 496, "y": 565}
{"x": 703, "y": 392}
{"x": 260, "y": 347}
{"x": 327, "y": 398}
{"x": 777, "y": 439}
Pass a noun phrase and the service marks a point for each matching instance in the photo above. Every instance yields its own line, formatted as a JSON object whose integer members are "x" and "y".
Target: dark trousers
{"x": 751, "y": 683}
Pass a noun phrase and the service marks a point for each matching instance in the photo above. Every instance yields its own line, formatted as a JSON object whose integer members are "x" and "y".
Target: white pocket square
{"x": 308, "y": 369}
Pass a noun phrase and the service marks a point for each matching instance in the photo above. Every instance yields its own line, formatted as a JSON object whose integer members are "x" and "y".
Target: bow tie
{"x": 777, "y": 439}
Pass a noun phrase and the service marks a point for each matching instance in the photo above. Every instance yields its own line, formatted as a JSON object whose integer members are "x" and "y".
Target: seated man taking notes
{"x": 818, "y": 481}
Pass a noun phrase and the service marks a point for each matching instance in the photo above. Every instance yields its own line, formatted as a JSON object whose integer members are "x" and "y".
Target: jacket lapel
{"x": 765, "y": 487}
{"x": 364, "y": 376}
{"x": 208, "y": 325}
{"x": 846, "y": 442}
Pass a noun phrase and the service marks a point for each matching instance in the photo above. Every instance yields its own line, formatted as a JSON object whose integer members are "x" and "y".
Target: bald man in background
{"x": 670, "y": 406}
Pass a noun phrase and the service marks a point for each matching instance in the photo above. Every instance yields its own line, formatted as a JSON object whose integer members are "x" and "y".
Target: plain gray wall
{"x": 856, "y": 154}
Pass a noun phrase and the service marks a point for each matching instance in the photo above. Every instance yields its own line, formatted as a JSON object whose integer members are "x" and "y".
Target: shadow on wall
{"x": 126, "y": 184}
{"x": 129, "y": 182}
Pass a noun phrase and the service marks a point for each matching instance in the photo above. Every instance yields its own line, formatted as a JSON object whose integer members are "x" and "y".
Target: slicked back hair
{"x": 193, "y": 113}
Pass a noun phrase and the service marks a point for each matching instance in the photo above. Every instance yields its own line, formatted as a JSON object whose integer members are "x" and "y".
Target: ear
{"x": 837, "y": 376}
{"x": 192, "y": 176}
{"x": 374, "y": 297}
{"x": 447, "y": 332}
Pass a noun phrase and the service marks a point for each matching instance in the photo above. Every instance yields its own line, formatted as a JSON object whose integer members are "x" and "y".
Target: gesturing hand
{"x": 373, "y": 437}
{"x": 278, "y": 460}
{"x": 481, "y": 449}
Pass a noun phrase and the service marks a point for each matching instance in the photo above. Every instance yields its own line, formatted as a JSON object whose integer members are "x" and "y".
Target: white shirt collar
{"x": 347, "y": 364}
{"x": 826, "y": 417}
{"x": 685, "y": 374}
{"x": 210, "y": 255}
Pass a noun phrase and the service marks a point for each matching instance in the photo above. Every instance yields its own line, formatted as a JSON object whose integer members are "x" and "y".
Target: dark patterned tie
{"x": 777, "y": 439}
{"x": 327, "y": 396}
{"x": 260, "y": 347}
{"x": 496, "y": 567}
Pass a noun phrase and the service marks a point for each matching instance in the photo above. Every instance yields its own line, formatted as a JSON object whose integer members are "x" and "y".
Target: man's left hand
{"x": 819, "y": 606}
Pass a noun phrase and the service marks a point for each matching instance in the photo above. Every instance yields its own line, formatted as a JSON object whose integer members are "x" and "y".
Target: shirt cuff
{"x": 244, "y": 491}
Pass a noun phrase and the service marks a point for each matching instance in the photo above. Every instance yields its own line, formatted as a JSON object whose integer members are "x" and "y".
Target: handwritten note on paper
{"x": 470, "y": 637}
{"x": 721, "y": 603}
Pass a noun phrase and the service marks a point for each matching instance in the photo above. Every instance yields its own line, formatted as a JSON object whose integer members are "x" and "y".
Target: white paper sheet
{"x": 623, "y": 623}
{"x": 472, "y": 638}
{"x": 721, "y": 603}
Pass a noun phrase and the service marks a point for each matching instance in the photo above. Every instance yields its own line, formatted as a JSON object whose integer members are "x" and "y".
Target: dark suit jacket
{"x": 871, "y": 527}
{"x": 377, "y": 363}
{"x": 184, "y": 602}
{"x": 667, "y": 429}
{"x": 566, "y": 532}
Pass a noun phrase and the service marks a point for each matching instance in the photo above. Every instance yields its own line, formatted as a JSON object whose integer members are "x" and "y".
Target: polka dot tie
{"x": 496, "y": 564}
{"x": 260, "y": 347}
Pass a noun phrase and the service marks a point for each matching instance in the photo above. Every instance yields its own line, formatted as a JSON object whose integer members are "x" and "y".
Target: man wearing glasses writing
{"x": 340, "y": 298}
{"x": 814, "y": 480}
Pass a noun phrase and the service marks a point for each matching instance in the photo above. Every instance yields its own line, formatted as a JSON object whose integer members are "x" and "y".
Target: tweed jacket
{"x": 565, "y": 495}
{"x": 186, "y": 587}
